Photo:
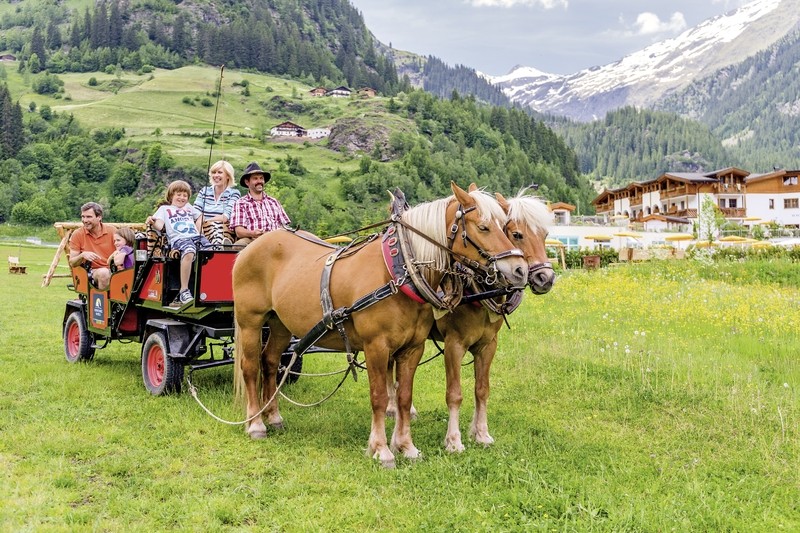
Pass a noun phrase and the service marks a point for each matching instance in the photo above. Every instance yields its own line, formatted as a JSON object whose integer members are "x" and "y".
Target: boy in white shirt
{"x": 181, "y": 221}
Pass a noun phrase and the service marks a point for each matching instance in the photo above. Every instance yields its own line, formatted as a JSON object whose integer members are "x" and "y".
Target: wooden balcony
{"x": 735, "y": 212}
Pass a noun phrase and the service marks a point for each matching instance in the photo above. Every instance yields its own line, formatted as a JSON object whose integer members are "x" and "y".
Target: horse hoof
{"x": 386, "y": 458}
{"x": 413, "y": 456}
{"x": 258, "y": 434}
{"x": 454, "y": 447}
{"x": 485, "y": 440}
{"x": 277, "y": 425}
{"x": 257, "y": 431}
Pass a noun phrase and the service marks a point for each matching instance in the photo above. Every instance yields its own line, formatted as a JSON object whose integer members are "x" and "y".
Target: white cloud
{"x": 649, "y": 24}
{"x": 547, "y": 4}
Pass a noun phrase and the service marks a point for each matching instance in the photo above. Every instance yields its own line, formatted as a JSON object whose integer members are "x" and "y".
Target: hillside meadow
{"x": 634, "y": 398}
{"x": 178, "y": 108}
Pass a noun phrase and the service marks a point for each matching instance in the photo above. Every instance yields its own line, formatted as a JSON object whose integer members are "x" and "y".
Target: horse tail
{"x": 238, "y": 376}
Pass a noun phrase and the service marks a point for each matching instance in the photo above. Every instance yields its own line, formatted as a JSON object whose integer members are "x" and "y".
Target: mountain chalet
{"x": 673, "y": 200}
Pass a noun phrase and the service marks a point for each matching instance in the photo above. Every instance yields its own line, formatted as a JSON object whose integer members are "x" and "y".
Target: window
{"x": 772, "y": 203}
{"x": 790, "y": 180}
{"x": 570, "y": 242}
{"x": 732, "y": 203}
{"x": 683, "y": 205}
{"x": 722, "y": 203}
{"x": 790, "y": 203}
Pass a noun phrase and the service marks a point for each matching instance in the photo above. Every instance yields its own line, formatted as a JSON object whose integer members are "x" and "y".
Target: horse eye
{"x": 518, "y": 235}
{"x": 483, "y": 227}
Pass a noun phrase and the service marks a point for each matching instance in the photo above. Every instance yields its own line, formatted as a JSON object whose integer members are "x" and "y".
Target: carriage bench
{"x": 14, "y": 267}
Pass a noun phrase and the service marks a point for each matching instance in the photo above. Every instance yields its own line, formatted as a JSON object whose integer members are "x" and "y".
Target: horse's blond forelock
{"x": 488, "y": 208}
{"x": 530, "y": 211}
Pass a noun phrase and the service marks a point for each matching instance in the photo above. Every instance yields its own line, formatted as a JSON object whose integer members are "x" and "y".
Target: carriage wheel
{"x": 77, "y": 339}
{"x": 160, "y": 372}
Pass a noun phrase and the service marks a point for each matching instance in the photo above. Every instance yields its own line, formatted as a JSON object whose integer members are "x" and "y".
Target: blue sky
{"x": 558, "y": 36}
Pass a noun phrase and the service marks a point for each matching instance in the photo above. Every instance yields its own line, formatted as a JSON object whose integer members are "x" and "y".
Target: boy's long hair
{"x": 177, "y": 186}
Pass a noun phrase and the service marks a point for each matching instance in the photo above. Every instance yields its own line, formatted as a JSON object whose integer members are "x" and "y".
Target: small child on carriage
{"x": 180, "y": 219}
{"x": 124, "y": 241}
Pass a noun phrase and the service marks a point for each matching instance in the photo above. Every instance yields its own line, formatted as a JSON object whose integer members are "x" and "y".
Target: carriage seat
{"x": 158, "y": 245}
{"x": 218, "y": 232}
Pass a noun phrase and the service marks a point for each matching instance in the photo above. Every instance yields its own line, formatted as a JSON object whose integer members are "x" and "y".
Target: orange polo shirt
{"x": 102, "y": 245}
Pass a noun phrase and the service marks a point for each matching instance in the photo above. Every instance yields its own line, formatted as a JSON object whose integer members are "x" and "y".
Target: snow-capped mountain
{"x": 642, "y": 78}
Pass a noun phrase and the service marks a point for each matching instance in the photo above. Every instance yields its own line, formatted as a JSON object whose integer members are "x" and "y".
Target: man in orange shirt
{"x": 93, "y": 243}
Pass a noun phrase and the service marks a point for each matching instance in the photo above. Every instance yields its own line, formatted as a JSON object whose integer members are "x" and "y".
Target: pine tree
{"x": 53, "y": 36}
{"x": 115, "y": 26}
{"x": 12, "y": 133}
{"x": 38, "y": 50}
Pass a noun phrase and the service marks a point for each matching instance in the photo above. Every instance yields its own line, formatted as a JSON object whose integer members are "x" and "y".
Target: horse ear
{"x": 502, "y": 201}
{"x": 461, "y": 195}
{"x": 473, "y": 187}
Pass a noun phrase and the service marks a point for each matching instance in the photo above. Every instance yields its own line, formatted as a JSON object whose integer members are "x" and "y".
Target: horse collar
{"x": 396, "y": 264}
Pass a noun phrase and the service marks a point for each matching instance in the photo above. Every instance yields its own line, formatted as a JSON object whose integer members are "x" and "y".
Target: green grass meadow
{"x": 151, "y": 108}
{"x": 633, "y": 398}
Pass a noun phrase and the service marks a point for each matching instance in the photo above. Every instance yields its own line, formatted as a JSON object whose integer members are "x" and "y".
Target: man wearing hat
{"x": 256, "y": 213}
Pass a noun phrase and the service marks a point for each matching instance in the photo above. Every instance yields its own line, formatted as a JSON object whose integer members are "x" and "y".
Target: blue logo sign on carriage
{"x": 98, "y": 307}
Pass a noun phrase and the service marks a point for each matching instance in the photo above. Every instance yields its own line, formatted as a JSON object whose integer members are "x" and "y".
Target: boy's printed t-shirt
{"x": 178, "y": 221}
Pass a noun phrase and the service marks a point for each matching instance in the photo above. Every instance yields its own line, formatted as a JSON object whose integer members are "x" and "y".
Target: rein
{"x": 334, "y": 318}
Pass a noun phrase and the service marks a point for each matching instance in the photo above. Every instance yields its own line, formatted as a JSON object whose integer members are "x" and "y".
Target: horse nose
{"x": 520, "y": 273}
{"x": 542, "y": 281}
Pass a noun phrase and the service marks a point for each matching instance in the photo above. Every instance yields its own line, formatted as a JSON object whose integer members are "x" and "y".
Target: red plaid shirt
{"x": 266, "y": 214}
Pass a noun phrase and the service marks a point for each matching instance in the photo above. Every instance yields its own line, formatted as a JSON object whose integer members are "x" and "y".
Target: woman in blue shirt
{"x": 215, "y": 202}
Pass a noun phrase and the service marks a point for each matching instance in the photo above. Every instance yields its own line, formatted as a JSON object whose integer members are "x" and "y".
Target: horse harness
{"x": 404, "y": 270}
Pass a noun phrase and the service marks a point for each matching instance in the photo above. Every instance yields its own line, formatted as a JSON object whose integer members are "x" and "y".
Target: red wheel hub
{"x": 155, "y": 365}
{"x": 73, "y": 339}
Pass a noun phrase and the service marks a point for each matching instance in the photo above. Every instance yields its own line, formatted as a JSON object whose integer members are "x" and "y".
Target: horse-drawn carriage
{"x": 377, "y": 297}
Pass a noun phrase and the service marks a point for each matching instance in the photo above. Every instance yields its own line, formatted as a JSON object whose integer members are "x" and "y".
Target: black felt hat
{"x": 251, "y": 169}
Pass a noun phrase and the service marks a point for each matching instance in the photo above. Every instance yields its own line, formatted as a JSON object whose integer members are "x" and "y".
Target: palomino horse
{"x": 277, "y": 281}
{"x": 474, "y": 328}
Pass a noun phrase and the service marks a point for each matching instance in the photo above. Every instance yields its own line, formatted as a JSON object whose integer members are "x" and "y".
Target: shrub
{"x": 205, "y": 102}
{"x": 47, "y": 84}
{"x": 92, "y": 82}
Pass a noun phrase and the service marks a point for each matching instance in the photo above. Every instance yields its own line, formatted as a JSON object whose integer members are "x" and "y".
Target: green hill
{"x": 119, "y": 138}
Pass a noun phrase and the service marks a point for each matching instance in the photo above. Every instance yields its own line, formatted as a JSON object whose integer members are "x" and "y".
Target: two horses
{"x": 276, "y": 281}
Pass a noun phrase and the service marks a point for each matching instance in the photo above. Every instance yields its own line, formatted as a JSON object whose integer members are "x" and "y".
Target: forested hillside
{"x": 321, "y": 41}
{"x": 635, "y": 145}
{"x": 753, "y": 106}
{"x": 441, "y": 79}
{"x": 414, "y": 140}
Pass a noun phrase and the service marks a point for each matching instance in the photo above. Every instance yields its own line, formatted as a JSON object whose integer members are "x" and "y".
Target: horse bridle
{"x": 534, "y": 268}
{"x": 490, "y": 270}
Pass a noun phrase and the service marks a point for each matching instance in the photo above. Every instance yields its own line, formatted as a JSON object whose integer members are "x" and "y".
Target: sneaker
{"x": 183, "y": 298}
{"x": 226, "y": 242}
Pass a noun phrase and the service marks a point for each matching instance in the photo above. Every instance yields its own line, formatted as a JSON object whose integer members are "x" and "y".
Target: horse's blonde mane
{"x": 531, "y": 211}
{"x": 429, "y": 218}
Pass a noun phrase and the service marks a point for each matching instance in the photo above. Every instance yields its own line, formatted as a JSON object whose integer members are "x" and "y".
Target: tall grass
{"x": 635, "y": 398}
